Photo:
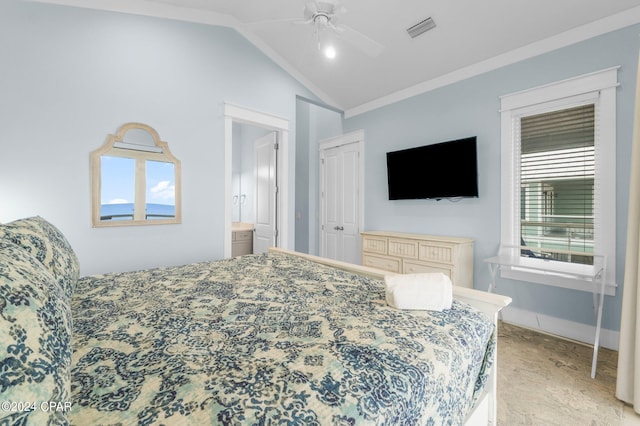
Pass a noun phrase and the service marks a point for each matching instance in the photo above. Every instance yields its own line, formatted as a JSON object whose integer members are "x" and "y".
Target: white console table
{"x": 509, "y": 257}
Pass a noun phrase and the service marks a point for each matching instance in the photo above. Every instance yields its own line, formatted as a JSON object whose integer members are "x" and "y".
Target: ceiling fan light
{"x": 321, "y": 19}
{"x": 330, "y": 52}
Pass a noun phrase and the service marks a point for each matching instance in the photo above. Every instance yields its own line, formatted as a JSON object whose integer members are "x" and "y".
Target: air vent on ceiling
{"x": 421, "y": 27}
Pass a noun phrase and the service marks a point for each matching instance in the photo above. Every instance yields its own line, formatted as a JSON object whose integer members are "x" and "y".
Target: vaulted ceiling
{"x": 377, "y": 62}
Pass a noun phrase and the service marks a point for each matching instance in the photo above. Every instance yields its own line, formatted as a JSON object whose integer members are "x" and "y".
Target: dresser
{"x": 416, "y": 253}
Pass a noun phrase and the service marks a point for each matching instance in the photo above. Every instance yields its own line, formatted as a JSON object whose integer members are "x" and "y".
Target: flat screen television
{"x": 441, "y": 170}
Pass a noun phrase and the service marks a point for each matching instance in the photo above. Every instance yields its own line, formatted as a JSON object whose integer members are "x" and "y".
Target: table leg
{"x": 596, "y": 343}
{"x": 493, "y": 269}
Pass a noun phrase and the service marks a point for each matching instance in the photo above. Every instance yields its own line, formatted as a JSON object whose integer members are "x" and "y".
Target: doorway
{"x": 235, "y": 114}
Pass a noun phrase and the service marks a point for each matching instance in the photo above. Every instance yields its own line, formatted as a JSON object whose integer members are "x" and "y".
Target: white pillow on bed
{"x": 432, "y": 291}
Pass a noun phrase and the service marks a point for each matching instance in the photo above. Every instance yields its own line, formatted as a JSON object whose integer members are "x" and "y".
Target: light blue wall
{"x": 471, "y": 108}
{"x": 302, "y": 176}
{"x": 314, "y": 124}
{"x": 70, "y": 76}
{"x": 323, "y": 124}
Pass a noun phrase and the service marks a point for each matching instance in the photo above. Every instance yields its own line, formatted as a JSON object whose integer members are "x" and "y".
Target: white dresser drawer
{"x": 410, "y": 267}
{"x": 436, "y": 253}
{"x": 403, "y": 248}
{"x": 378, "y": 262}
{"x": 374, "y": 245}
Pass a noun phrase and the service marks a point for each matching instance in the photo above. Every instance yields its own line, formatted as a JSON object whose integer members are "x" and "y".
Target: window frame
{"x": 598, "y": 88}
{"x": 116, "y": 146}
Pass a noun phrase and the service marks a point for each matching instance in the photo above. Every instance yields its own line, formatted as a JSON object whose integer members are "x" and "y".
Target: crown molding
{"x": 151, "y": 8}
{"x": 576, "y": 35}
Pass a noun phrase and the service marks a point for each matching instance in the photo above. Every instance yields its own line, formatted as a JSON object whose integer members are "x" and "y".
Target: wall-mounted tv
{"x": 441, "y": 170}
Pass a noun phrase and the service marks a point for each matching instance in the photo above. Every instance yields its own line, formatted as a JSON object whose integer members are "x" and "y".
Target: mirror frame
{"x": 108, "y": 149}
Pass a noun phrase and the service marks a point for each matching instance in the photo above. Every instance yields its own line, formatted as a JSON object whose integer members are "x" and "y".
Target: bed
{"x": 278, "y": 338}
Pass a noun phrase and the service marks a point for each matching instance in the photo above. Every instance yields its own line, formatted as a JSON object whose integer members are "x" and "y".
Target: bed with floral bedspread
{"x": 259, "y": 339}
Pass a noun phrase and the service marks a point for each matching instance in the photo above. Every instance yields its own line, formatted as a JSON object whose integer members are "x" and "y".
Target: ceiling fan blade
{"x": 359, "y": 40}
{"x": 339, "y": 9}
{"x": 310, "y": 8}
{"x": 303, "y": 21}
{"x": 272, "y": 22}
{"x": 336, "y": 28}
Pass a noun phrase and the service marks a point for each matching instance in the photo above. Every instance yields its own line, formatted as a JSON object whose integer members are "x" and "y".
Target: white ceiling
{"x": 470, "y": 37}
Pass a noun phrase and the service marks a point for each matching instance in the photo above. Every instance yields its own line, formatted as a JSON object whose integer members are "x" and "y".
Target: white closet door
{"x": 340, "y": 230}
{"x": 330, "y": 234}
{"x": 350, "y": 204}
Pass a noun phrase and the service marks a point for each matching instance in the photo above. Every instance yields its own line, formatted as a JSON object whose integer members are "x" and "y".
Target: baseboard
{"x": 560, "y": 327}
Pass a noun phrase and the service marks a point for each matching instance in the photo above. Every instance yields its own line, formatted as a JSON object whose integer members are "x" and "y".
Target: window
{"x": 558, "y": 174}
{"x": 136, "y": 179}
{"x": 557, "y": 171}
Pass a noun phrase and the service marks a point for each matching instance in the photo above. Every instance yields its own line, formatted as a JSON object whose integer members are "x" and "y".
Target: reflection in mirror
{"x": 135, "y": 179}
{"x": 160, "y": 199}
{"x": 117, "y": 178}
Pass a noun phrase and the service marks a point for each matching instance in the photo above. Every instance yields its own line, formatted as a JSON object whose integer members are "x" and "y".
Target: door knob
{"x": 339, "y": 228}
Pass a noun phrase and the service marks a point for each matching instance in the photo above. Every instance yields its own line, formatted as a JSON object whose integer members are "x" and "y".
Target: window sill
{"x": 555, "y": 279}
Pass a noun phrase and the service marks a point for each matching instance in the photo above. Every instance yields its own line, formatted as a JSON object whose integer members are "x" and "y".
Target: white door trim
{"x": 348, "y": 138}
{"x": 234, "y": 113}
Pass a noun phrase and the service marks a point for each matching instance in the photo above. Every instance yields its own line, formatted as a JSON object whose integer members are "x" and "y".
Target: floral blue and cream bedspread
{"x": 268, "y": 339}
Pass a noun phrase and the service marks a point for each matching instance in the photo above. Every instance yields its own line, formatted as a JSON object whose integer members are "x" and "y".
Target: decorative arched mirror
{"x": 135, "y": 179}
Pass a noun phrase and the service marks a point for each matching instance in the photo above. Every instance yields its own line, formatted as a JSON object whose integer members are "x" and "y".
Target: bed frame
{"x": 485, "y": 411}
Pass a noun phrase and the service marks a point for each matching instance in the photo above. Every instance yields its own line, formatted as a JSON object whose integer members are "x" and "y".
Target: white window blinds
{"x": 557, "y": 184}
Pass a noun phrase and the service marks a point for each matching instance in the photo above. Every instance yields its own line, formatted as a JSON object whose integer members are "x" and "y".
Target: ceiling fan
{"x": 324, "y": 16}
